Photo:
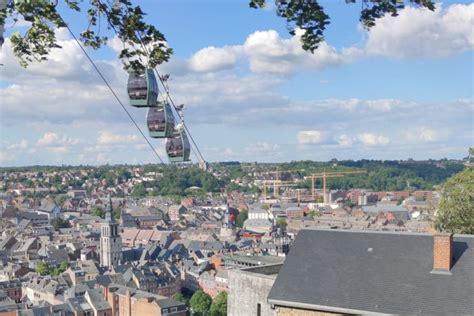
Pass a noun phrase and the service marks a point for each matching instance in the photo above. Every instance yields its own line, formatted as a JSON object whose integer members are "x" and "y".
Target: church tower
{"x": 110, "y": 240}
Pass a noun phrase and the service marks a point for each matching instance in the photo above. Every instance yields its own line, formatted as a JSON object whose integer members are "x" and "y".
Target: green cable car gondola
{"x": 142, "y": 89}
{"x": 160, "y": 121}
{"x": 178, "y": 147}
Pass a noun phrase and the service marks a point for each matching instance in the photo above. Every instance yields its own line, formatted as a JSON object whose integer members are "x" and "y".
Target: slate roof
{"x": 376, "y": 272}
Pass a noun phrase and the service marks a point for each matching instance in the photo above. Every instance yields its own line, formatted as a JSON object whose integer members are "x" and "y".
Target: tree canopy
{"x": 219, "y": 305}
{"x": 44, "y": 269}
{"x": 144, "y": 45}
{"x": 200, "y": 303}
{"x": 456, "y": 208}
{"x": 60, "y": 223}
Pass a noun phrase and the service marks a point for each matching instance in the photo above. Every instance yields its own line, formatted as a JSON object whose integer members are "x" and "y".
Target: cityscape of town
{"x": 159, "y": 240}
{"x": 241, "y": 158}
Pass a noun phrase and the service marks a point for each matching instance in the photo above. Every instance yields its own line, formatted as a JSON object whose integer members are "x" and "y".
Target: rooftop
{"x": 377, "y": 272}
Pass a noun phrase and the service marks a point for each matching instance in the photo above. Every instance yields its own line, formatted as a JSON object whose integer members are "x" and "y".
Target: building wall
{"x": 250, "y": 287}
{"x": 287, "y": 311}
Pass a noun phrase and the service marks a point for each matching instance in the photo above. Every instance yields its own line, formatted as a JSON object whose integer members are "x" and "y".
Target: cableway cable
{"x": 113, "y": 92}
{"x": 199, "y": 154}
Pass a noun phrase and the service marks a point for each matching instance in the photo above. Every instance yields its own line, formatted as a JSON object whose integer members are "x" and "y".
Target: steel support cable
{"x": 113, "y": 92}
{"x": 200, "y": 156}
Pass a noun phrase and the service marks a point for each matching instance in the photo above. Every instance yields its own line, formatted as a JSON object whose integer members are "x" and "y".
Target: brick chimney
{"x": 442, "y": 252}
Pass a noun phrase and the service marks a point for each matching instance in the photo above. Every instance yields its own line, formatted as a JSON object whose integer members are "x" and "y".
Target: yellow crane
{"x": 277, "y": 183}
{"x": 324, "y": 176}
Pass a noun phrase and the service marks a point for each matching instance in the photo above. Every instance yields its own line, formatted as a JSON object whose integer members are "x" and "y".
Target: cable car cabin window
{"x": 156, "y": 120}
{"x": 137, "y": 87}
{"x": 174, "y": 146}
{"x": 142, "y": 89}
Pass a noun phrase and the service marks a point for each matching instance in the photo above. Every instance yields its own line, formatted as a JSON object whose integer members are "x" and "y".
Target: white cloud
{"x": 344, "y": 141}
{"x": 423, "y": 33}
{"x": 23, "y": 144}
{"x": 310, "y": 137}
{"x": 370, "y": 139}
{"x": 262, "y": 147}
{"x": 424, "y": 135}
{"x": 383, "y": 105}
{"x": 57, "y": 140}
{"x": 54, "y": 139}
{"x": 56, "y": 143}
{"x": 109, "y": 138}
{"x": 211, "y": 59}
{"x": 414, "y": 33}
{"x": 228, "y": 153}
{"x": 6, "y": 156}
{"x": 267, "y": 52}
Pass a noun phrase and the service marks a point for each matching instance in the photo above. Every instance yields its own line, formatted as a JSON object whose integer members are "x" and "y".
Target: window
{"x": 174, "y": 309}
{"x": 165, "y": 311}
{"x": 259, "y": 309}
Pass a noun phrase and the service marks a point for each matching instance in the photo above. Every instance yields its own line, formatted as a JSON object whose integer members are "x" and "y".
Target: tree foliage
{"x": 181, "y": 298}
{"x": 310, "y": 17}
{"x": 200, "y": 303}
{"x": 381, "y": 175}
{"x": 219, "y": 305}
{"x": 60, "y": 223}
{"x": 145, "y": 46}
{"x": 241, "y": 218}
{"x": 60, "y": 199}
{"x": 177, "y": 181}
{"x": 138, "y": 191}
{"x": 456, "y": 208}
{"x": 44, "y": 269}
{"x": 98, "y": 211}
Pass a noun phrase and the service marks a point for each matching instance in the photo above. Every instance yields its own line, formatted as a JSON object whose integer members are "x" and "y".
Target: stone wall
{"x": 249, "y": 288}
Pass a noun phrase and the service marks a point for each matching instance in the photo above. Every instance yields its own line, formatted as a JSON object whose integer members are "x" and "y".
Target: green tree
{"x": 456, "y": 208}
{"x": 400, "y": 200}
{"x": 60, "y": 199}
{"x": 60, "y": 223}
{"x": 241, "y": 218}
{"x": 42, "y": 268}
{"x": 348, "y": 204}
{"x": 200, "y": 303}
{"x": 138, "y": 191}
{"x": 219, "y": 305}
{"x": 181, "y": 298}
{"x": 281, "y": 221}
{"x": 60, "y": 269}
{"x": 98, "y": 211}
{"x": 127, "y": 21}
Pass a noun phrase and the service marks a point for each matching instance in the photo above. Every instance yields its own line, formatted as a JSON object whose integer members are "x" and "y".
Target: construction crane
{"x": 324, "y": 176}
{"x": 278, "y": 182}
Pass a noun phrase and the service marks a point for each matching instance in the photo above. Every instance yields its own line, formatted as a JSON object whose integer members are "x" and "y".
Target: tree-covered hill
{"x": 158, "y": 179}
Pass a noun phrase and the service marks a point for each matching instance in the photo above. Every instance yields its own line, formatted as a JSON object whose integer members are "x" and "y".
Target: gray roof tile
{"x": 375, "y": 272}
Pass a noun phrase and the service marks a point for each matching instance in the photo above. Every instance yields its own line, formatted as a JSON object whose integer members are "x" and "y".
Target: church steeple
{"x": 110, "y": 240}
{"x": 109, "y": 215}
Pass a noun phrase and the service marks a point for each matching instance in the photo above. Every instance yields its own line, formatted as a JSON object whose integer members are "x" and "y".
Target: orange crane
{"x": 324, "y": 176}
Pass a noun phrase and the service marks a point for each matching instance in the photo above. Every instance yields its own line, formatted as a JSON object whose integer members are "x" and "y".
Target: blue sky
{"x": 402, "y": 90}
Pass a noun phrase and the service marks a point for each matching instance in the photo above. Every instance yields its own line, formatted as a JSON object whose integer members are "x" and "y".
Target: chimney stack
{"x": 442, "y": 252}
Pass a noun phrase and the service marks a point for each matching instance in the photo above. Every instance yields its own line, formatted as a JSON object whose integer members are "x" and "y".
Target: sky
{"x": 402, "y": 90}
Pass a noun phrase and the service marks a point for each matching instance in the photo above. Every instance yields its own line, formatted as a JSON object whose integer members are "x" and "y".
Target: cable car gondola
{"x": 160, "y": 121}
{"x": 178, "y": 147}
{"x": 142, "y": 89}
